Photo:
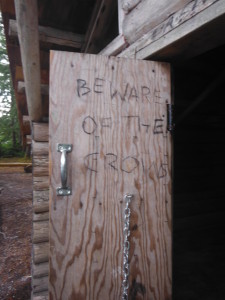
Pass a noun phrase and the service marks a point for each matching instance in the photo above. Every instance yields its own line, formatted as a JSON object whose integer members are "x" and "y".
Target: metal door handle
{"x": 64, "y": 190}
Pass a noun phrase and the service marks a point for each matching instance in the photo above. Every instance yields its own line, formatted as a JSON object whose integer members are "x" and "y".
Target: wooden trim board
{"x": 185, "y": 22}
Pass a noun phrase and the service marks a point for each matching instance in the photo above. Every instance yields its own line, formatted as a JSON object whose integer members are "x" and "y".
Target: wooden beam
{"x": 40, "y": 232}
{"x": 177, "y": 27}
{"x": 21, "y": 88}
{"x": 210, "y": 88}
{"x": 40, "y": 132}
{"x": 39, "y": 284}
{"x": 44, "y": 216}
{"x": 41, "y": 296}
{"x": 115, "y": 47}
{"x": 98, "y": 24}
{"x": 40, "y": 148}
{"x": 41, "y": 201}
{"x": 41, "y": 252}
{"x": 27, "y": 21}
{"x": 20, "y": 76}
{"x": 52, "y": 36}
{"x": 40, "y": 270}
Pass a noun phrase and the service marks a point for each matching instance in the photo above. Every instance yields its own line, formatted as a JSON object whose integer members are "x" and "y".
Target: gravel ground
{"x": 15, "y": 233}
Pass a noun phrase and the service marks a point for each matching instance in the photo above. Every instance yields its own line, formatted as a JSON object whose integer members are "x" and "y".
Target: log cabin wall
{"x": 145, "y": 29}
{"x": 40, "y": 249}
{"x": 199, "y": 208}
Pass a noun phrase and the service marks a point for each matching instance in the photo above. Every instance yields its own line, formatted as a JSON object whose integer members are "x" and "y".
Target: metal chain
{"x": 126, "y": 246}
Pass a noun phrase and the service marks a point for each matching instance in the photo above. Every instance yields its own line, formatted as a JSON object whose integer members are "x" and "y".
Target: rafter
{"x": 52, "y": 36}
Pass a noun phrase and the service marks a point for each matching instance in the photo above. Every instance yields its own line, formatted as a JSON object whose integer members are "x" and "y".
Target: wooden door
{"x": 114, "y": 113}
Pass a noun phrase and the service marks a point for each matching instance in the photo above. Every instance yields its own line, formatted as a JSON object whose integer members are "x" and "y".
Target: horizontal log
{"x": 52, "y": 36}
{"x": 40, "y": 284}
{"x": 40, "y": 183}
{"x": 40, "y": 166}
{"x": 40, "y": 148}
{"x": 44, "y": 216}
{"x": 40, "y": 132}
{"x": 41, "y": 252}
{"x": 40, "y": 201}
{"x": 40, "y": 232}
{"x": 7, "y": 164}
{"x": 43, "y": 297}
{"x": 40, "y": 270}
{"x": 21, "y": 88}
{"x": 20, "y": 76}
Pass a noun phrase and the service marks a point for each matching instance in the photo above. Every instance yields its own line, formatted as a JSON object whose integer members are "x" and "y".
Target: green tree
{"x": 9, "y": 125}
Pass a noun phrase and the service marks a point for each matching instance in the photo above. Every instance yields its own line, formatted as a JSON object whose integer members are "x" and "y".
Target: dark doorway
{"x": 199, "y": 179}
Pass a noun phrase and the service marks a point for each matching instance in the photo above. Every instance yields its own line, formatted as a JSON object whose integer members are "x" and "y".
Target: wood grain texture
{"x": 41, "y": 252}
{"x": 40, "y": 216}
{"x": 113, "y": 111}
{"x": 40, "y": 232}
{"x": 40, "y": 270}
{"x": 40, "y": 183}
{"x": 147, "y": 15}
{"x": 43, "y": 297}
{"x": 52, "y": 36}
{"x": 40, "y": 148}
{"x": 179, "y": 24}
{"x": 40, "y": 165}
{"x": 39, "y": 284}
{"x": 27, "y": 24}
{"x": 41, "y": 201}
{"x": 40, "y": 132}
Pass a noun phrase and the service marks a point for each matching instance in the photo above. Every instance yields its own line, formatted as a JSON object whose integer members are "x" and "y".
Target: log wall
{"x": 198, "y": 209}
{"x": 40, "y": 250}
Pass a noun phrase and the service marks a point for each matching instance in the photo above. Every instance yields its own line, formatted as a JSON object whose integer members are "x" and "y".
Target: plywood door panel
{"x": 113, "y": 111}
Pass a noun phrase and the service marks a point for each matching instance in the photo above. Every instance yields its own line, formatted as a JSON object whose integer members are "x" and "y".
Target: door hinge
{"x": 170, "y": 122}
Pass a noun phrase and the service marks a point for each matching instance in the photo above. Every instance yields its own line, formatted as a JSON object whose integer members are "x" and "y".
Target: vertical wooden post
{"x": 27, "y": 21}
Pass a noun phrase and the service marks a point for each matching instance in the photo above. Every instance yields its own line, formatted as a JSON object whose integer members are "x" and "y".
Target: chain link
{"x": 126, "y": 246}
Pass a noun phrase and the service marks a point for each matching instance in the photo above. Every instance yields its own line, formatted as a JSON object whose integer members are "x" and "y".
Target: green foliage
{"x": 9, "y": 125}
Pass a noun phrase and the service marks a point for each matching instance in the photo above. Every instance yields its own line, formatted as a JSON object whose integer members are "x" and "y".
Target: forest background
{"x": 10, "y": 140}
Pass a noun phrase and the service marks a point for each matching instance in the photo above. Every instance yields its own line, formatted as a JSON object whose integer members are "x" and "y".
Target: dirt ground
{"x": 15, "y": 233}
